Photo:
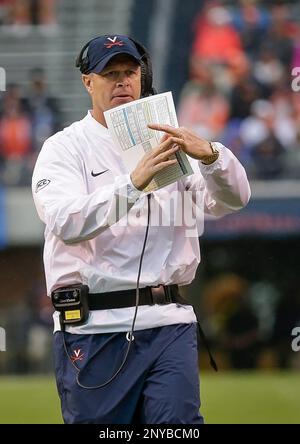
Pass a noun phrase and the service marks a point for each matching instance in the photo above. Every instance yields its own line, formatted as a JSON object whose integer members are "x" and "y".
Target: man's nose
{"x": 123, "y": 79}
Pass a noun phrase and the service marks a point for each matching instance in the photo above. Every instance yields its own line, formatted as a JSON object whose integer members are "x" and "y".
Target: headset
{"x": 82, "y": 62}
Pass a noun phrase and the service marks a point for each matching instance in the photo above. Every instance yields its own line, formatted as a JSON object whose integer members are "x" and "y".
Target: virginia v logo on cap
{"x": 114, "y": 42}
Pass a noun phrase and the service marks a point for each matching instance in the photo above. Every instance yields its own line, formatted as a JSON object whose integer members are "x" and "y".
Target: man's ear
{"x": 87, "y": 81}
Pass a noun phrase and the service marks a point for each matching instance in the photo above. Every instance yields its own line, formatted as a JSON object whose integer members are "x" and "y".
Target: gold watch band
{"x": 207, "y": 160}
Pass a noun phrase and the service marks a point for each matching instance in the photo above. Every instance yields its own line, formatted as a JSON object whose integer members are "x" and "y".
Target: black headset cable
{"x": 131, "y": 337}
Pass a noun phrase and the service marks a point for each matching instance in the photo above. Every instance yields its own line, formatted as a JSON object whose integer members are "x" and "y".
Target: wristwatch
{"x": 207, "y": 160}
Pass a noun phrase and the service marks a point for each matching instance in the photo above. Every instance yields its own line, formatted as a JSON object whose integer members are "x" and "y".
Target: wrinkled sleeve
{"x": 60, "y": 195}
{"x": 223, "y": 184}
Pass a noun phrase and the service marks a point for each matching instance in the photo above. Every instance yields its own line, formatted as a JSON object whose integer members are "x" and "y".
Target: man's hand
{"x": 193, "y": 145}
{"x": 154, "y": 161}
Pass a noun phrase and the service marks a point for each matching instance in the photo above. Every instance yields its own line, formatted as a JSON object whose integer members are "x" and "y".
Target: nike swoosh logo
{"x": 98, "y": 174}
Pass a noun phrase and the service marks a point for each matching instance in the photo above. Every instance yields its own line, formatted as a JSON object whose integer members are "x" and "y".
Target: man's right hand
{"x": 155, "y": 161}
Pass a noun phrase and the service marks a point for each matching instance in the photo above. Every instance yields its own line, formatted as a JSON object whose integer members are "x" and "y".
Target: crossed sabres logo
{"x": 77, "y": 356}
{"x": 113, "y": 42}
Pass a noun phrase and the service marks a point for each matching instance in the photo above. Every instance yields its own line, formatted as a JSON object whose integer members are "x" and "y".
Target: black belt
{"x": 162, "y": 294}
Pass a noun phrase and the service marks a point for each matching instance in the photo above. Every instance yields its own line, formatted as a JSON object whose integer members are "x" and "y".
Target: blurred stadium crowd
{"x": 26, "y": 121}
{"x": 17, "y": 14}
{"x": 27, "y": 117}
{"x": 240, "y": 86}
{"x": 239, "y": 91}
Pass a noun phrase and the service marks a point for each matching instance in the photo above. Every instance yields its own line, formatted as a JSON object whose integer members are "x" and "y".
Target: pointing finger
{"x": 165, "y": 128}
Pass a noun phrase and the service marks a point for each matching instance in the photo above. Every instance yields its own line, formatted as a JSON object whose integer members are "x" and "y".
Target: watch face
{"x": 214, "y": 147}
{"x": 207, "y": 160}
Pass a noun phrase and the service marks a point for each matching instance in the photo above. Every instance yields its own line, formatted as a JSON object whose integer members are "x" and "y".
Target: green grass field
{"x": 228, "y": 398}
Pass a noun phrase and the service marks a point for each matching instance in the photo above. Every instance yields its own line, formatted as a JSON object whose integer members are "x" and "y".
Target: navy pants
{"x": 158, "y": 385}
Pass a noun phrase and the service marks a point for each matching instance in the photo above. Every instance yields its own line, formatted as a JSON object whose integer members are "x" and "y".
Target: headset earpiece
{"x": 83, "y": 62}
{"x": 146, "y": 70}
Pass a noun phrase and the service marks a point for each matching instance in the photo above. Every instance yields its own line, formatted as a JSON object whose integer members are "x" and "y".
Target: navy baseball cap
{"x": 102, "y": 49}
